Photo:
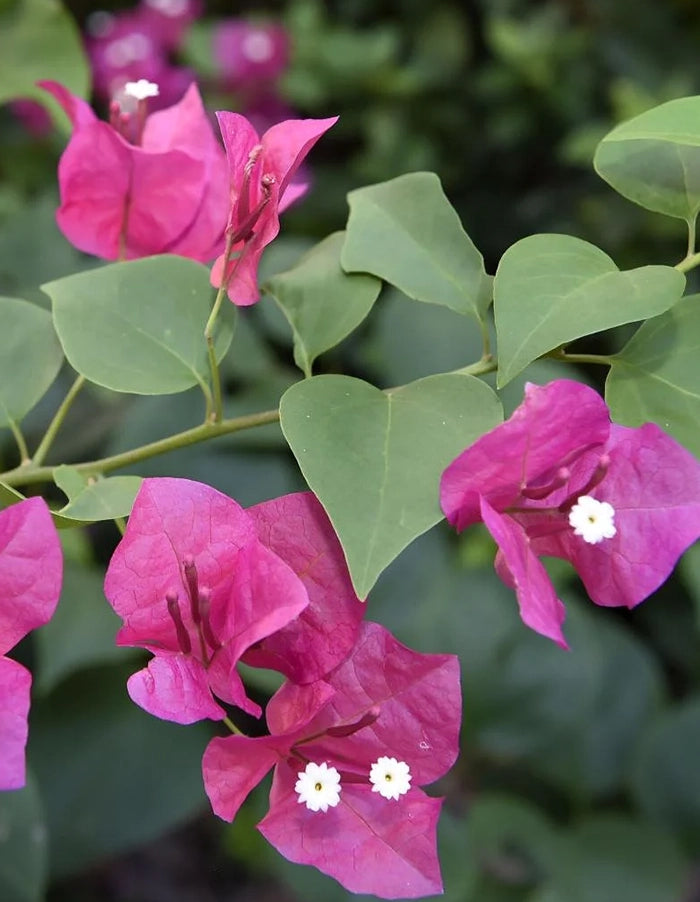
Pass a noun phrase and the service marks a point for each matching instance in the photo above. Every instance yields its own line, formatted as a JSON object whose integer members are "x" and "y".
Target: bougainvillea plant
{"x": 361, "y": 726}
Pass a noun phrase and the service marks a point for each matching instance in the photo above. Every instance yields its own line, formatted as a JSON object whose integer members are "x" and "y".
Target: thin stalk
{"x": 688, "y": 263}
{"x": 215, "y": 410}
{"x": 691, "y": 237}
{"x": 21, "y": 444}
{"x": 56, "y": 422}
{"x": 31, "y": 475}
{"x": 601, "y": 359}
{"x": 120, "y": 523}
{"x": 487, "y": 364}
{"x": 232, "y": 726}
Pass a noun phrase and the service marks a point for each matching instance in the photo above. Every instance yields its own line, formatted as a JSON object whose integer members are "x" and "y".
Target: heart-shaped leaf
{"x": 30, "y": 357}
{"x": 654, "y": 159}
{"x": 322, "y": 302}
{"x": 139, "y": 326}
{"x": 374, "y": 459}
{"x": 551, "y": 289}
{"x": 406, "y": 232}
{"x": 656, "y": 376}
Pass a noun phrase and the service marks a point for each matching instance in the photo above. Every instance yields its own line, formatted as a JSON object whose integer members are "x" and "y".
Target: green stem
{"x": 215, "y": 410}
{"x": 691, "y": 237}
{"x": 600, "y": 359}
{"x": 30, "y": 474}
{"x": 215, "y": 414}
{"x": 688, "y": 263}
{"x": 232, "y": 727}
{"x": 55, "y": 424}
{"x": 485, "y": 339}
{"x": 120, "y": 523}
{"x": 21, "y": 444}
{"x": 487, "y": 364}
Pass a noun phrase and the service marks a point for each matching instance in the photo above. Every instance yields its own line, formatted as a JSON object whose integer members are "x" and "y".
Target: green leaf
{"x": 374, "y": 459}
{"x": 81, "y": 633}
{"x": 39, "y": 39}
{"x": 666, "y": 779}
{"x": 406, "y": 232}
{"x": 30, "y": 357}
{"x": 103, "y": 499}
{"x": 610, "y": 858}
{"x": 551, "y": 289}
{"x": 322, "y": 303}
{"x": 656, "y": 377}
{"x": 139, "y": 326}
{"x": 23, "y": 847}
{"x": 112, "y": 777}
{"x": 654, "y": 159}
{"x": 9, "y": 496}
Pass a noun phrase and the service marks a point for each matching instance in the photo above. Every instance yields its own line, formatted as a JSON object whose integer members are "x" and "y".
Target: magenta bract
{"x": 31, "y": 570}
{"x": 194, "y": 584}
{"x": 261, "y": 172}
{"x": 524, "y": 478}
{"x": 161, "y": 191}
{"x": 383, "y": 700}
{"x": 298, "y": 530}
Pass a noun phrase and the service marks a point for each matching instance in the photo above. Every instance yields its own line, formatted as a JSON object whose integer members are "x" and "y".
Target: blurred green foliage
{"x": 580, "y": 777}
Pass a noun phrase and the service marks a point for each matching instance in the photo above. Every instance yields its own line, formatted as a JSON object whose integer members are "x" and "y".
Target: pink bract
{"x": 249, "y": 54}
{"x": 194, "y": 584}
{"x": 166, "y": 194}
{"x": 383, "y": 700}
{"x": 523, "y": 477}
{"x": 31, "y": 570}
{"x": 298, "y": 530}
{"x": 261, "y": 171}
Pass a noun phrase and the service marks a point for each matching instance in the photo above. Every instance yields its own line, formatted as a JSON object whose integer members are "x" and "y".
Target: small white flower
{"x": 141, "y": 89}
{"x": 390, "y": 778}
{"x": 318, "y": 786}
{"x": 592, "y": 520}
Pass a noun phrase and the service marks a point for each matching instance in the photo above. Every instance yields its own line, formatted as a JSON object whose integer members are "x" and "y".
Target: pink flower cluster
{"x": 31, "y": 570}
{"x": 137, "y": 43}
{"x": 359, "y": 725}
{"x": 145, "y": 184}
{"x": 559, "y": 479}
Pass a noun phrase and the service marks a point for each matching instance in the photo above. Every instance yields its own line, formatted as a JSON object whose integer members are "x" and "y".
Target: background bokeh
{"x": 579, "y": 779}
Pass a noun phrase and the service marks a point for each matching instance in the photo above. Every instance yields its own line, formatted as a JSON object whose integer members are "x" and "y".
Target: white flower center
{"x": 592, "y": 520}
{"x": 257, "y": 47}
{"x": 318, "y": 786}
{"x": 141, "y": 89}
{"x": 390, "y": 778}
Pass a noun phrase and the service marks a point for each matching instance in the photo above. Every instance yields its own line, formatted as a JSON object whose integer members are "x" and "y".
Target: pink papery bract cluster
{"x": 201, "y": 582}
{"x": 250, "y": 55}
{"x": 262, "y": 185}
{"x": 384, "y": 700}
{"x": 142, "y": 185}
{"x": 31, "y": 570}
{"x": 523, "y": 479}
{"x": 136, "y": 43}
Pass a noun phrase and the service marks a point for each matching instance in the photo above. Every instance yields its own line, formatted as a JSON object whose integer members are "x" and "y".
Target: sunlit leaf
{"x": 656, "y": 376}
{"x": 374, "y": 459}
{"x": 406, "y": 232}
{"x": 551, "y": 289}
